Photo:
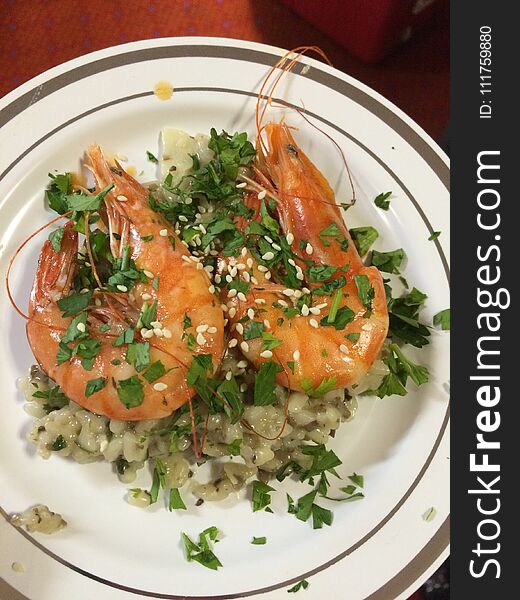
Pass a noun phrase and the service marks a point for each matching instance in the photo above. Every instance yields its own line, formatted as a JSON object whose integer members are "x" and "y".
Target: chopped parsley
{"x": 382, "y": 201}
{"x": 264, "y": 393}
{"x": 326, "y": 385}
{"x": 259, "y": 541}
{"x": 202, "y": 552}
{"x": 400, "y": 369}
{"x": 130, "y": 391}
{"x": 59, "y": 443}
{"x": 175, "y": 500}
{"x": 301, "y": 585}
{"x": 366, "y": 293}
{"x": 388, "y": 262}
{"x": 95, "y": 385}
{"x": 442, "y": 318}
{"x": 434, "y": 236}
{"x": 56, "y": 399}
{"x": 55, "y": 238}
{"x": 151, "y": 157}
{"x": 261, "y": 496}
{"x": 363, "y": 238}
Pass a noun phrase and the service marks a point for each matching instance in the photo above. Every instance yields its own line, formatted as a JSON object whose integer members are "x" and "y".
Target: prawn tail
{"x": 56, "y": 269}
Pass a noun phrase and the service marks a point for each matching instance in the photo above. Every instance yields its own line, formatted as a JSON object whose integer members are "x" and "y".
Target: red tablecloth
{"x": 38, "y": 34}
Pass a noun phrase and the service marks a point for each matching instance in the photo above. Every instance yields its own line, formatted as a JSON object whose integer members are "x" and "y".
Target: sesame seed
{"x": 244, "y": 346}
{"x": 343, "y": 348}
{"x": 122, "y": 288}
{"x": 262, "y": 195}
{"x": 243, "y": 387}
{"x": 241, "y": 266}
{"x": 289, "y": 238}
{"x": 232, "y": 312}
{"x": 305, "y": 310}
{"x": 84, "y": 290}
{"x": 250, "y": 313}
{"x": 158, "y": 332}
{"x": 261, "y": 268}
{"x": 202, "y": 328}
{"x": 229, "y": 279}
{"x": 202, "y": 228}
{"x": 276, "y": 247}
{"x": 298, "y": 294}
{"x": 268, "y": 275}
{"x": 233, "y": 271}
{"x": 243, "y": 252}
{"x": 188, "y": 200}
{"x": 313, "y": 323}
{"x": 148, "y": 333}
{"x": 226, "y": 321}
{"x": 146, "y": 296}
{"x": 296, "y": 355}
{"x": 163, "y": 232}
{"x": 211, "y": 289}
{"x": 288, "y": 292}
{"x": 159, "y": 387}
{"x": 97, "y": 302}
{"x": 201, "y": 340}
{"x": 87, "y": 264}
{"x": 156, "y": 324}
{"x": 184, "y": 243}
{"x": 283, "y": 303}
{"x": 121, "y": 198}
{"x": 306, "y": 290}
{"x": 183, "y": 219}
{"x": 322, "y": 305}
{"x": 212, "y": 330}
{"x": 246, "y": 276}
{"x": 81, "y": 327}
{"x": 232, "y": 343}
{"x": 167, "y": 333}
{"x": 254, "y": 280}
{"x": 224, "y": 307}
{"x": 268, "y": 239}
{"x": 218, "y": 278}
{"x": 148, "y": 274}
{"x": 291, "y": 262}
{"x": 240, "y": 328}
{"x": 229, "y": 375}
{"x": 249, "y": 263}
{"x": 309, "y": 249}
{"x": 299, "y": 276}
{"x": 242, "y": 364}
{"x": 232, "y": 293}
{"x": 267, "y": 324}
{"x": 200, "y": 266}
{"x": 266, "y": 354}
{"x": 268, "y": 256}
{"x": 259, "y": 301}
{"x": 186, "y": 258}
{"x": 241, "y": 185}
{"x": 315, "y": 310}
{"x": 241, "y": 296}
{"x": 209, "y": 268}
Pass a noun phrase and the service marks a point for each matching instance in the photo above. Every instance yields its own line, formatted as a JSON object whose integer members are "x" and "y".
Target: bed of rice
{"x": 128, "y": 445}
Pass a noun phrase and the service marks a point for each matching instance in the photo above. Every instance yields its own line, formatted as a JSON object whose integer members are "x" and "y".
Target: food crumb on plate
{"x": 18, "y": 567}
{"x": 39, "y": 518}
{"x": 163, "y": 90}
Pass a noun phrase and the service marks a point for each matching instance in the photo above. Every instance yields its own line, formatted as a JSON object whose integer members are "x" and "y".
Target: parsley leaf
{"x": 253, "y": 330}
{"x": 366, "y": 293}
{"x": 75, "y": 303}
{"x": 151, "y": 157}
{"x": 434, "y": 236}
{"x": 388, "y": 262}
{"x": 259, "y": 541}
{"x": 442, "y": 318}
{"x": 130, "y": 391}
{"x": 327, "y": 384}
{"x": 56, "y": 399}
{"x": 94, "y": 385}
{"x": 363, "y": 238}
{"x": 125, "y": 337}
{"x": 59, "y": 443}
{"x": 381, "y": 201}
{"x": 202, "y": 552}
{"x": 261, "y": 495}
{"x": 264, "y": 393}
{"x": 344, "y": 316}
{"x": 87, "y": 202}
{"x": 55, "y": 238}
{"x": 175, "y": 501}
{"x": 303, "y": 584}
{"x": 270, "y": 342}
{"x": 154, "y": 372}
{"x": 138, "y": 354}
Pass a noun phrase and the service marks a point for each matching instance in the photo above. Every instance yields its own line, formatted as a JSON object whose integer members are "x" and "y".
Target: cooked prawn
{"x": 178, "y": 285}
{"x": 310, "y": 352}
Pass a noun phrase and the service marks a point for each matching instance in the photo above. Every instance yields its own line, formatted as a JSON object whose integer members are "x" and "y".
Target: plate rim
{"x": 19, "y": 100}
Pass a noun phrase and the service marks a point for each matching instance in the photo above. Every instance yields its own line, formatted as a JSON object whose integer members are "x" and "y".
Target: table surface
{"x": 36, "y": 35}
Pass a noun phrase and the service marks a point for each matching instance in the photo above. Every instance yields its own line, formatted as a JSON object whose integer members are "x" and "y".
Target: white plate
{"x": 378, "y": 548}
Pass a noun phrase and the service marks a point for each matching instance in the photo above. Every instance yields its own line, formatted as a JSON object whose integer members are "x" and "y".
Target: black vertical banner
{"x": 485, "y": 325}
